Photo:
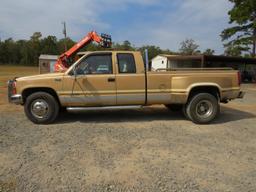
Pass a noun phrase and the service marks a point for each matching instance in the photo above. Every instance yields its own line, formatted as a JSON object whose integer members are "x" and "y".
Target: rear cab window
{"x": 126, "y": 63}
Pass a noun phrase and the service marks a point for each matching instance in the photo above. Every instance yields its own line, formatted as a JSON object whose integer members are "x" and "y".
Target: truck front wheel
{"x": 41, "y": 108}
{"x": 202, "y": 108}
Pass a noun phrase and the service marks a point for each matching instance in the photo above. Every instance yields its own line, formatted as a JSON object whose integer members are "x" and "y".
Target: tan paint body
{"x": 164, "y": 87}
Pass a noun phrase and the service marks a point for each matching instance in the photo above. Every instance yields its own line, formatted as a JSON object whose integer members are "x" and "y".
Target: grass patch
{"x": 17, "y": 71}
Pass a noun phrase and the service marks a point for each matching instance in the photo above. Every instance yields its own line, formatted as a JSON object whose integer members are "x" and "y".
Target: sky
{"x": 164, "y": 23}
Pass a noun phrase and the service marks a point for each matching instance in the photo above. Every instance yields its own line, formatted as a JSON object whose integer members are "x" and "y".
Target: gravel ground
{"x": 130, "y": 150}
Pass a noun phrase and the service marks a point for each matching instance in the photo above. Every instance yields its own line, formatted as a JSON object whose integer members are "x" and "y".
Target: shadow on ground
{"x": 145, "y": 115}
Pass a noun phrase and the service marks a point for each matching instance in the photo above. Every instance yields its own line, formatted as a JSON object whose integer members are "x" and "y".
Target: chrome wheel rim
{"x": 204, "y": 109}
{"x": 39, "y": 108}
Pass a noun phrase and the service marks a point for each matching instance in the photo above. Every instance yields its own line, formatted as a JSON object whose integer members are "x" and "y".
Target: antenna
{"x": 65, "y": 35}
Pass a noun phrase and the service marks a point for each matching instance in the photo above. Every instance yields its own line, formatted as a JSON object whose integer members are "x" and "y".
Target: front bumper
{"x": 16, "y": 99}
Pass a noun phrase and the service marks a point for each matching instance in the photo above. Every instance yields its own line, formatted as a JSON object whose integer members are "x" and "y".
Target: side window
{"x": 95, "y": 64}
{"x": 126, "y": 63}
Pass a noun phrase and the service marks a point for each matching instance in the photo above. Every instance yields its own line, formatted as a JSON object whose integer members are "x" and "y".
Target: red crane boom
{"x": 62, "y": 62}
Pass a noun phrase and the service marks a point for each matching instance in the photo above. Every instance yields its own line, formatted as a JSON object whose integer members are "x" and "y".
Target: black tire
{"x": 202, "y": 108}
{"x": 41, "y": 108}
{"x": 174, "y": 107}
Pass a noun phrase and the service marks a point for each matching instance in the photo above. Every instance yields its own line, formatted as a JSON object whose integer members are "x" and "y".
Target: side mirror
{"x": 73, "y": 72}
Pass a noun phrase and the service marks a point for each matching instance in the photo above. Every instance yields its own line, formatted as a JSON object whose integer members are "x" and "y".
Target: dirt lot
{"x": 130, "y": 150}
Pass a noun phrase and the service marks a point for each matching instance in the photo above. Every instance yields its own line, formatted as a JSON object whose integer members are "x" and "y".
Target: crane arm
{"x": 104, "y": 40}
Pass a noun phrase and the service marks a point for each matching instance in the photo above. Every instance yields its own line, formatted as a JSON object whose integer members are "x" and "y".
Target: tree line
{"x": 27, "y": 52}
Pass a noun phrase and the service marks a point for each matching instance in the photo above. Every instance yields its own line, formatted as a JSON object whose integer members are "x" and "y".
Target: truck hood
{"x": 42, "y": 76}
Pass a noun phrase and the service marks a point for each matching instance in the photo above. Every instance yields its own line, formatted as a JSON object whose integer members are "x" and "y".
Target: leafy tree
{"x": 152, "y": 51}
{"x": 8, "y": 51}
{"x": 126, "y": 45}
{"x": 233, "y": 51}
{"x": 209, "y": 52}
{"x": 242, "y": 35}
{"x": 61, "y": 44}
{"x": 49, "y": 45}
{"x": 36, "y": 36}
{"x": 23, "y": 52}
{"x": 35, "y": 47}
{"x": 1, "y": 50}
{"x": 189, "y": 47}
{"x": 4, "y": 52}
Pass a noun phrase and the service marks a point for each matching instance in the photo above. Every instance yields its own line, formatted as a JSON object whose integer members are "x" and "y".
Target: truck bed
{"x": 176, "y": 84}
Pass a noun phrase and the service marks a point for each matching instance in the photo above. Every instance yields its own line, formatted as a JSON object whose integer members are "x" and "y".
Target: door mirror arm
{"x": 74, "y": 74}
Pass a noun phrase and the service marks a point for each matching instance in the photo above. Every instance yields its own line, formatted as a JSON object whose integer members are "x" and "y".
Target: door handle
{"x": 111, "y": 79}
{"x": 57, "y": 79}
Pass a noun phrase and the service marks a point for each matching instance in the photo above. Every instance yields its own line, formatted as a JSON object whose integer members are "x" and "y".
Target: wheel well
{"x": 30, "y": 91}
{"x": 213, "y": 90}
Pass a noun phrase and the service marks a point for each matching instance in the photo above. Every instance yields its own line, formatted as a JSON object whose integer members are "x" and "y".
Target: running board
{"x": 74, "y": 109}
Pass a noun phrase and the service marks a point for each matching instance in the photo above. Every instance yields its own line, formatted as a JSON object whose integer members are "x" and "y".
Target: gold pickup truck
{"x": 119, "y": 79}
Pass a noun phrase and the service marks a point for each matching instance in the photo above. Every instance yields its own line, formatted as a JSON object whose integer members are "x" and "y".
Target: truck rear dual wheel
{"x": 202, "y": 108}
{"x": 41, "y": 108}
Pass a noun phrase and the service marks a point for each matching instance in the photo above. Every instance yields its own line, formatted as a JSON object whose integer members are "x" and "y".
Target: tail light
{"x": 239, "y": 77}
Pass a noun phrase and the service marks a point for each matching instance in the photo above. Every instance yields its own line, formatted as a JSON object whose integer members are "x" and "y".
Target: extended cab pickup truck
{"x": 119, "y": 79}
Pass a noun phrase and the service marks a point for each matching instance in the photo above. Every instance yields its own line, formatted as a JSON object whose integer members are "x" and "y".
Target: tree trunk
{"x": 254, "y": 38}
{"x": 254, "y": 43}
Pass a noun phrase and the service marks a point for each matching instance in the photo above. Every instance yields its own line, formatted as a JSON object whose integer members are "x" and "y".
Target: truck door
{"x": 130, "y": 80}
{"x": 94, "y": 84}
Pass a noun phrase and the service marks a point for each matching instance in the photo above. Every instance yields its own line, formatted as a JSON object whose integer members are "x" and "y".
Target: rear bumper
{"x": 231, "y": 95}
{"x": 241, "y": 95}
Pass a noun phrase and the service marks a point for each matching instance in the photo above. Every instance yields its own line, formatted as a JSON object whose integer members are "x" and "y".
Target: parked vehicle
{"x": 119, "y": 79}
